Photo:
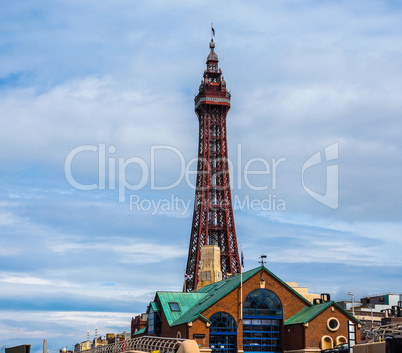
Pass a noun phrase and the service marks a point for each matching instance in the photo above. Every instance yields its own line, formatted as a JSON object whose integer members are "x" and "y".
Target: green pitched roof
{"x": 155, "y": 306}
{"x": 140, "y": 331}
{"x": 307, "y": 314}
{"x": 211, "y": 294}
{"x": 185, "y": 300}
{"x": 214, "y": 292}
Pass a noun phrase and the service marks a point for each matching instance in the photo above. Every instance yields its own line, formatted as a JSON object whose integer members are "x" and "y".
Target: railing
{"x": 143, "y": 344}
{"x": 384, "y": 331}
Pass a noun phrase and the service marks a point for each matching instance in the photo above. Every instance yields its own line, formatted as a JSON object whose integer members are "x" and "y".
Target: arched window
{"x": 222, "y": 333}
{"x": 262, "y": 322}
{"x": 262, "y": 302}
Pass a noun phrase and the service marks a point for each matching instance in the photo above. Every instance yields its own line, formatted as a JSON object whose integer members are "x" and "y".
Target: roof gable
{"x": 309, "y": 313}
{"x": 185, "y": 300}
{"x": 216, "y": 291}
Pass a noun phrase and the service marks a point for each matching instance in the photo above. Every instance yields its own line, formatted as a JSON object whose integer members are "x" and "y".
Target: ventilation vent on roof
{"x": 205, "y": 299}
{"x": 212, "y": 287}
{"x": 221, "y": 285}
{"x": 317, "y": 301}
{"x": 325, "y": 297}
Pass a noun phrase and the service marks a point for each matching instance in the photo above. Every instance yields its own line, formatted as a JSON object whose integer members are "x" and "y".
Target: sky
{"x": 98, "y": 140}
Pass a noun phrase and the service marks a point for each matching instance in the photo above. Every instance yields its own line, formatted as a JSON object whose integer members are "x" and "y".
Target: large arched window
{"x": 262, "y": 302}
{"x": 262, "y": 322}
{"x": 222, "y": 333}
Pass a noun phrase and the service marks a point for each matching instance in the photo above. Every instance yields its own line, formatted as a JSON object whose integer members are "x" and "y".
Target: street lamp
{"x": 353, "y": 303}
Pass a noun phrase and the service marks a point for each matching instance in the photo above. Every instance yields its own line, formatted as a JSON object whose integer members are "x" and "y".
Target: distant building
{"x": 25, "y": 348}
{"x": 304, "y": 291}
{"x": 375, "y": 311}
{"x": 99, "y": 342}
{"x": 138, "y": 323}
{"x": 82, "y": 346}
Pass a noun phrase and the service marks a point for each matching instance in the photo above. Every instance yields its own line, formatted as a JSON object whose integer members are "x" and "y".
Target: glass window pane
{"x": 174, "y": 306}
{"x": 263, "y": 312}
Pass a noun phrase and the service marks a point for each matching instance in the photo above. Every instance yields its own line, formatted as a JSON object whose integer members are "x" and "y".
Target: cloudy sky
{"x": 98, "y": 136}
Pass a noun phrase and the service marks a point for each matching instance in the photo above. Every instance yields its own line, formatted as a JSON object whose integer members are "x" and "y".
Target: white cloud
{"x": 133, "y": 251}
{"x": 25, "y": 280}
{"x": 7, "y": 219}
{"x": 303, "y": 75}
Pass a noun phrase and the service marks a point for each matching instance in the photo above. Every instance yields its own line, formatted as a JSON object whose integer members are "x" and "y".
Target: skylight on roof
{"x": 174, "y": 306}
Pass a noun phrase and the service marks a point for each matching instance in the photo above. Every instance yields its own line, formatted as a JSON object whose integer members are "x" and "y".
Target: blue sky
{"x": 122, "y": 75}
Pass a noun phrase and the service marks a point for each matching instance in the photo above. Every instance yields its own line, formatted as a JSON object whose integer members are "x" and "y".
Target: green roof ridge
{"x": 186, "y": 301}
{"x": 204, "y": 318}
{"x": 289, "y": 287}
{"x": 215, "y": 291}
{"x": 309, "y": 313}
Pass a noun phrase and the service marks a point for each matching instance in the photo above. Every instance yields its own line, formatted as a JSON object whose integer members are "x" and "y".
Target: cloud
{"x": 303, "y": 75}
{"x": 25, "y": 280}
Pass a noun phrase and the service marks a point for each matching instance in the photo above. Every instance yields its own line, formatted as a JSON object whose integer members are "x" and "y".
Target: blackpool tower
{"x": 213, "y": 222}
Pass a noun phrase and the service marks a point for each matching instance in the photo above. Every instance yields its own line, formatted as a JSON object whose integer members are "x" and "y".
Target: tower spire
{"x": 213, "y": 222}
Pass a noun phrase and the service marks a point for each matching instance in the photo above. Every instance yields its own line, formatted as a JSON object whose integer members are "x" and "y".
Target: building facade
{"x": 254, "y": 311}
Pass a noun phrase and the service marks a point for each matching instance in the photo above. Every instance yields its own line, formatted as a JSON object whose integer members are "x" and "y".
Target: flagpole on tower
{"x": 241, "y": 282}
{"x": 212, "y": 31}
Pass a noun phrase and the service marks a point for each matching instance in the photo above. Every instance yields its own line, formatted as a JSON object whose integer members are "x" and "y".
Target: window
{"x": 222, "y": 333}
{"x": 262, "y": 302}
{"x": 262, "y": 324}
{"x": 154, "y": 323}
{"x": 333, "y": 324}
{"x": 174, "y": 306}
{"x": 222, "y": 322}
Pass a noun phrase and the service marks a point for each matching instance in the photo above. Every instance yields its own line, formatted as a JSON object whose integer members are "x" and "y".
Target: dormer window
{"x": 174, "y": 306}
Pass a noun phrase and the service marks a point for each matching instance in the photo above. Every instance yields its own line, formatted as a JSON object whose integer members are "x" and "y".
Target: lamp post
{"x": 372, "y": 319}
{"x": 353, "y": 303}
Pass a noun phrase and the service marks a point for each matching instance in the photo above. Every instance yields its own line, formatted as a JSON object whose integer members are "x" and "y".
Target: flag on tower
{"x": 213, "y": 30}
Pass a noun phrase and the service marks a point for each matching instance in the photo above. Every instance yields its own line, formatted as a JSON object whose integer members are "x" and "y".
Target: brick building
{"x": 138, "y": 323}
{"x": 262, "y": 313}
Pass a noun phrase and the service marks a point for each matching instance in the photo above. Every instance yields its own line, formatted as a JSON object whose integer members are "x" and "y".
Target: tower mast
{"x": 213, "y": 222}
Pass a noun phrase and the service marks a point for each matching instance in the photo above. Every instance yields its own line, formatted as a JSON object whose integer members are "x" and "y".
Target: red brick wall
{"x": 318, "y": 328}
{"x": 199, "y": 327}
{"x": 291, "y": 303}
{"x": 137, "y": 324}
{"x": 293, "y": 337}
{"x": 167, "y": 331}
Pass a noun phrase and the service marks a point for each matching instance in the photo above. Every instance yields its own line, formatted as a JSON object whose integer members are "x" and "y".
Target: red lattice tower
{"x": 213, "y": 222}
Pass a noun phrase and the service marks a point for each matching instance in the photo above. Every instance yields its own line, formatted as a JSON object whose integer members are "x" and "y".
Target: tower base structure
{"x": 210, "y": 271}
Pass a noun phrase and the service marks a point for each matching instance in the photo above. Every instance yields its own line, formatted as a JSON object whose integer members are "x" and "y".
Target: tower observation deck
{"x": 213, "y": 222}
